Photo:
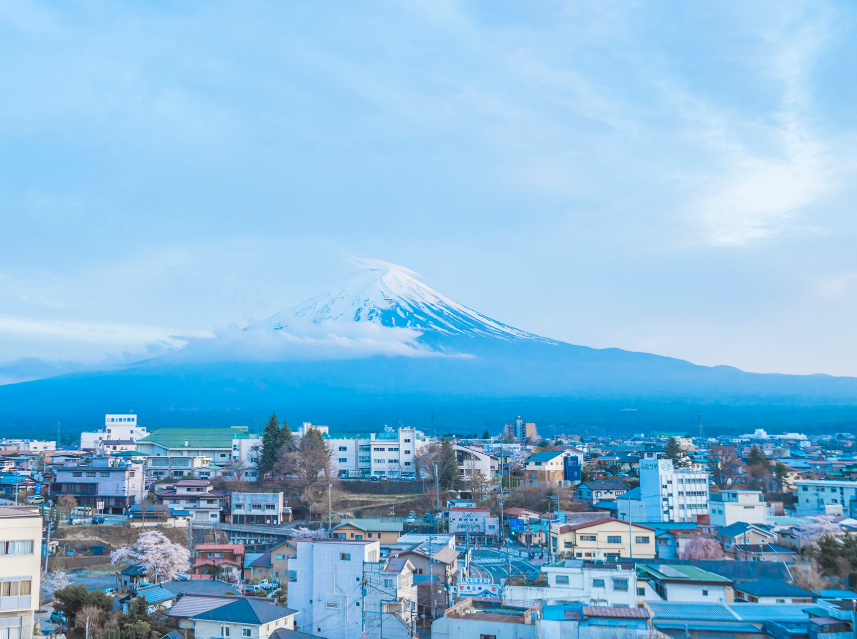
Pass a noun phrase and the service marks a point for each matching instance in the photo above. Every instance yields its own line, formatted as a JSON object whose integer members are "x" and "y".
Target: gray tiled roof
{"x": 251, "y": 612}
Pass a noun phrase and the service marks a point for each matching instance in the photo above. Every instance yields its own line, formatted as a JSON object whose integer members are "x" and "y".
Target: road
{"x": 493, "y": 563}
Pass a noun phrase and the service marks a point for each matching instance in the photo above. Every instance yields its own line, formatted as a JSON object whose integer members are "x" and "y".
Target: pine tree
{"x": 447, "y": 467}
{"x": 287, "y": 439}
{"x": 674, "y": 452}
{"x": 757, "y": 458}
{"x": 781, "y": 474}
{"x": 486, "y": 434}
{"x": 271, "y": 442}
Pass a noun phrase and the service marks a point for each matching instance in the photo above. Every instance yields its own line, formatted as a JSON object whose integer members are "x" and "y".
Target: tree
{"x": 308, "y": 464}
{"x": 586, "y": 473}
{"x": 56, "y": 581}
{"x": 425, "y": 459}
{"x": 817, "y": 527}
{"x": 447, "y": 467}
{"x": 139, "y": 623}
{"x": 72, "y": 599}
{"x": 702, "y": 548}
{"x": 757, "y": 458}
{"x": 271, "y": 442}
{"x": 781, "y": 474}
{"x": 486, "y": 434}
{"x": 301, "y": 532}
{"x": 474, "y": 480}
{"x": 157, "y": 554}
{"x": 674, "y": 452}
{"x": 92, "y": 617}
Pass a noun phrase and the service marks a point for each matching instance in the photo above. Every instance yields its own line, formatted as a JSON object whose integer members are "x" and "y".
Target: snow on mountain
{"x": 389, "y": 295}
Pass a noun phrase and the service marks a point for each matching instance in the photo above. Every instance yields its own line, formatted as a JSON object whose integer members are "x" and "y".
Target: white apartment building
{"x": 389, "y": 454}
{"x": 824, "y": 497}
{"x": 106, "y": 484}
{"x": 577, "y": 581}
{"x": 116, "y": 427}
{"x": 198, "y": 497}
{"x": 224, "y": 448}
{"x": 731, "y": 506}
{"x": 472, "y": 460}
{"x": 670, "y": 493}
{"x": 464, "y": 521}
{"x": 391, "y": 600}
{"x": 326, "y": 585}
{"x": 307, "y": 426}
{"x": 265, "y": 509}
{"x": 20, "y": 554}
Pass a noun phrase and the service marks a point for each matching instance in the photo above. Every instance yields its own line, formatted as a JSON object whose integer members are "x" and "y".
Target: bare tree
{"x": 425, "y": 459}
{"x": 724, "y": 464}
{"x": 475, "y": 480}
{"x": 310, "y": 465}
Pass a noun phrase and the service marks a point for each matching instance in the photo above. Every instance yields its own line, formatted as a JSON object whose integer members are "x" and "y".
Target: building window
{"x": 588, "y": 538}
{"x": 562, "y": 579}
{"x": 487, "y": 636}
{"x": 597, "y": 583}
{"x": 614, "y": 539}
{"x": 342, "y": 449}
{"x": 105, "y": 474}
{"x": 90, "y": 473}
{"x": 16, "y": 547}
{"x": 77, "y": 474}
{"x": 567, "y": 544}
{"x": 343, "y": 460}
{"x": 704, "y": 593}
{"x": 641, "y": 592}
{"x": 642, "y": 540}
{"x": 620, "y": 584}
{"x": 345, "y": 556}
{"x": 388, "y": 583}
{"x": 245, "y": 632}
{"x": 332, "y": 604}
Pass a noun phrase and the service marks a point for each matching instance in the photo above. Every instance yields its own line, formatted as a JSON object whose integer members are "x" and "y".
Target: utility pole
{"x": 437, "y": 497}
{"x": 329, "y": 524}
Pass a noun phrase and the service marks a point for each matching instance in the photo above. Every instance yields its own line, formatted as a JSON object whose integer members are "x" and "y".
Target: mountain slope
{"x": 472, "y": 369}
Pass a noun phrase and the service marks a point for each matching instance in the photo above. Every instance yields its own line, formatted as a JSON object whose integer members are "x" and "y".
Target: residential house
{"x": 576, "y": 581}
{"x": 214, "y": 559}
{"x": 600, "y": 490}
{"x": 479, "y": 618}
{"x": 105, "y": 484}
{"x": 671, "y": 543}
{"x": 545, "y": 467}
{"x": 265, "y": 509}
{"x": 245, "y": 617}
{"x": 472, "y": 461}
{"x": 391, "y": 599}
{"x": 608, "y": 538}
{"x": 731, "y": 506}
{"x": 629, "y": 506}
{"x": 741, "y": 533}
{"x": 278, "y": 561}
{"x": 196, "y": 495}
{"x": 152, "y": 515}
{"x": 762, "y": 552}
{"x": 20, "y": 570}
{"x": 683, "y": 583}
{"x": 387, "y": 532}
{"x": 772, "y": 591}
{"x": 435, "y": 573}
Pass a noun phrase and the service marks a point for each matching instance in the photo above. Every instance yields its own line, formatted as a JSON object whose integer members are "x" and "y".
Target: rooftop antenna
{"x": 59, "y": 443}
{"x": 700, "y": 425}
{"x": 434, "y": 430}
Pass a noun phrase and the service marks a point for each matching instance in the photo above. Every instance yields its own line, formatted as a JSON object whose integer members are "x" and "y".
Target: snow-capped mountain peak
{"x": 390, "y": 295}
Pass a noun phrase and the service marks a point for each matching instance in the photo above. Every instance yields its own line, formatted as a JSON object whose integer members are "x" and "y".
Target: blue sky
{"x": 676, "y": 178}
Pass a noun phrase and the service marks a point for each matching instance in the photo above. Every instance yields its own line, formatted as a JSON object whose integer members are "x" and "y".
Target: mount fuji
{"x": 383, "y": 347}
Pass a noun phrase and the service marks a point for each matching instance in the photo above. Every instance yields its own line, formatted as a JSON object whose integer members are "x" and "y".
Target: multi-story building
{"x": 521, "y": 431}
{"x": 326, "y": 585}
{"x": 435, "y": 569}
{"x": 223, "y": 447}
{"x": 732, "y": 506}
{"x": 472, "y": 461}
{"x": 389, "y": 454}
{"x": 546, "y": 466}
{"x": 600, "y": 490}
{"x": 473, "y": 523}
{"x": 163, "y": 468}
{"x": 605, "y": 538}
{"x": 215, "y": 559}
{"x": 391, "y": 599}
{"x": 20, "y": 553}
{"x": 198, "y": 497}
{"x": 116, "y": 427}
{"x": 567, "y": 581}
{"x": 670, "y": 493}
{"x": 105, "y": 484}
{"x": 27, "y": 445}
{"x": 825, "y": 497}
{"x": 256, "y": 508}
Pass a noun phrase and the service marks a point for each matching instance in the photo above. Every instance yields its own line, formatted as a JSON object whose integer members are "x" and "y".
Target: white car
{"x": 182, "y": 576}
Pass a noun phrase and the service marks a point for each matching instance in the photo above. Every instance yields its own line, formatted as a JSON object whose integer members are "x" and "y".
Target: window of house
{"x": 781, "y": 601}
{"x": 641, "y": 592}
{"x": 487, "y": 636}
{"x": 105, "y": 474}
{"x": 379, "y": 450}
{"x": 407, "y": 452}
{"x": 90, "y": 473}
{"x": 407, "y": 441}
{"x": 245, "y": 632}
{"x": 270, "y": 507}
{"x": 642, "y": 540}
{"x": 293, "y": 575}
{"x": 342, "y": 449}
{"x": 562, "y": 579}
{"x": 343, "y": 460}
{"x": 597, "y": 583}
{"x": 567, "y": 544}
{"x": 332, "y": 604}
{"x": 620, "y": 584}
{"x": 614, "y": 539}
{"x": 588, "y": 538}
{"x": 388, "y": 583}
{"x": 224, "y": 631}
{"x": 704, "y": 593}
{"x": 345, "y": 556}
{"x": 280, "y": 557}
{"x": 24, "y": 547}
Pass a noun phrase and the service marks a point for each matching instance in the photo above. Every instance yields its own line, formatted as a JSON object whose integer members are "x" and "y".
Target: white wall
{"x": 22, "y": 567}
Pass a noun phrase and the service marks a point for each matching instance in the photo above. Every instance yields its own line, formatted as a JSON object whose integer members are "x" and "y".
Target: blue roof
{"x": 735, "y": 612}
{"x": 545, "y": 455}
{"x": 133, "y": 570}
{"x": 772, "y": 588}
{"x": 154, "y": 594}
{"x": 251, "y": 612}
{"x": 835, "y": 594}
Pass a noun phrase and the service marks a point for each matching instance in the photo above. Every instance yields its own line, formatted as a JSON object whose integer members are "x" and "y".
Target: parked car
{"x": 411, "y": 520}
{"x": 109, "y": 591}
{"x": 76, "y": 522}
{"x": 98, "y": 519}
{"x": 182, "y": 576}
{"x": 428, "y": 518}
{"x": 57, "y": 616}
{"x": 36, "y": 499}
{"x": 374, "y": 478}
{"x": 412, "y": 514}
{"x": 264, "y": 583}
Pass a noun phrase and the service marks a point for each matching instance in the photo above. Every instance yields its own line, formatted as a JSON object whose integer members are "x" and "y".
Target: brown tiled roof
{"x": 619, "y": 613}
{"x": 587, "y": 524}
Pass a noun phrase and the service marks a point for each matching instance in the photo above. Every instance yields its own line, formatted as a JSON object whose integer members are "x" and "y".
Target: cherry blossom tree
{"x": 702, "y": 548}
{"x": 817, "y": 527}
{"x": 55, "y": 581}
{"x": 305, "y": 533}
{"x": 157, "y": 554}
